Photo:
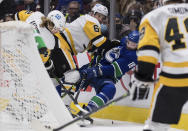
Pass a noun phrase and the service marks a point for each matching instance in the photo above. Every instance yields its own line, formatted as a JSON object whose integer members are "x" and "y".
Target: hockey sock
{"x": 106, "y": 94}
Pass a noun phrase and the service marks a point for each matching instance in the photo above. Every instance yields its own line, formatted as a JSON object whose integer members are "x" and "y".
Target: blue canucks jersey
{"x": 118, "y": 61}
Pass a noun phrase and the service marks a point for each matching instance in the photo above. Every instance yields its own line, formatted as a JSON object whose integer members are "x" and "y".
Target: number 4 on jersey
{"x": 173, "y": 33}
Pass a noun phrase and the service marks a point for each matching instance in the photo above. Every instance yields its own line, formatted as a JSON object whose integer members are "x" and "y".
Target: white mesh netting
{"x": 26, "y": 91}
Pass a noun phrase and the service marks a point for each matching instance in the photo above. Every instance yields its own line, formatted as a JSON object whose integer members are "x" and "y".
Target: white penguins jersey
{"x": 82, "y": 32}
{"x": 35, "y": 20}
{"x": 49, "y": 39}
{"x": 165, "y": 31}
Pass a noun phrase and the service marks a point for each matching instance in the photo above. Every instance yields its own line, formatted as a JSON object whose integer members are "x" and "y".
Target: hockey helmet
{"x": 134, "y": 36}
{"x": 57, "y": 18}
{"x": 100, "y": 9}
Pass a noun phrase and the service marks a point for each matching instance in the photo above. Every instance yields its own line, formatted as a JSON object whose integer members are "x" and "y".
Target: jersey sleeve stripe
{"x": 148, "y": 59}
{"x": 17, "y": 16}
{"x": 176, "y": 65}
{"x": 96, "y": 38}
{"x": 149, "y": 47}
{"x": 148, "y": 53}
{"x": 117, "y": 70}
{"x": 99, "y": 42}
{"x": 180, "y": 76}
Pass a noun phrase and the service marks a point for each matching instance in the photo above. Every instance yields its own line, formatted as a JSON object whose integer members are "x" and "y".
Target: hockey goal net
{"x": 26, "y": 91}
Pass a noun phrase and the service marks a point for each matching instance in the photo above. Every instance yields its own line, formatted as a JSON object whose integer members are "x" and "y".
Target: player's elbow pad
{"x": 107, "y": 45}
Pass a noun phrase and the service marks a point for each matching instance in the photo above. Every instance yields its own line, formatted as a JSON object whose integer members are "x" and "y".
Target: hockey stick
{"x": 39, "y": 127}
{"x": 67, "y": 92}
{"x": 90, "y": 113}
{"x": 81, "y": 86}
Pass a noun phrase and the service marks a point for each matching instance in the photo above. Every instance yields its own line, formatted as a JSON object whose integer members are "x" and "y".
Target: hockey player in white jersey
{"x": 34, "y": 18}
{"x": 44, "y": 36}
{"x": 84, "y": 33}
{"x": 48, "y": 29}
{"x": 163, "y": 31}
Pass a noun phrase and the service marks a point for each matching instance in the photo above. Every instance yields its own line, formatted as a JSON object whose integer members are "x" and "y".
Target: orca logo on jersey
{"x": 112, "y": 54}
{"x": 142, "y": 32}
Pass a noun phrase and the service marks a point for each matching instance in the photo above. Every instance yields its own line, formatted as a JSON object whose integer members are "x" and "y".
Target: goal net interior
{"x": 27, "y": 93}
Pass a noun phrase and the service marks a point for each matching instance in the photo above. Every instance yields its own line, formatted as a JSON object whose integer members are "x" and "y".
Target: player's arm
{"x": 93, "y": 31}
{"x": 43, "y": 50}
{"x": 148, "y": 52}
{"x": 114, "y": 70}
{"x": 119, "y": 67}
{"x": 39, "y": 40}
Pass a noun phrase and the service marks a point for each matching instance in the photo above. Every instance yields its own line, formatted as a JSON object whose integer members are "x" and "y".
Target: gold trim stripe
{"x": 101, "y": 42}
{"x": 71, "y": 41}
{"x": 65, "y": 48}
{"x": 148, "y": 59}
{"x": 177, "y": 65}
{"x": 174, "y": 82}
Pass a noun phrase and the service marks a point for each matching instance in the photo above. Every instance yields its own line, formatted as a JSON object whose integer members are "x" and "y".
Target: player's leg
{"x": 167, "y": 104}
{"x": 105, "y": 91}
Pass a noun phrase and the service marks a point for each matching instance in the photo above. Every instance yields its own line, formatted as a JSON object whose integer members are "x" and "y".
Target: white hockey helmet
{"x": 57, "y": 18}
{"x": 100, "y": 9}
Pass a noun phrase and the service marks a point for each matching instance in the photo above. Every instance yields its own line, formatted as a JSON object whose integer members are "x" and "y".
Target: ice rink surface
{"x": 111, "y": 125}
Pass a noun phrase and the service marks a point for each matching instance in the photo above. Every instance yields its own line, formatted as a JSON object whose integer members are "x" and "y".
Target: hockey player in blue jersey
{"x": 111, "y": 67}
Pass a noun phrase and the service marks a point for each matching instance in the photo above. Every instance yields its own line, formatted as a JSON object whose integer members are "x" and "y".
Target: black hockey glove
{"x": 139, "y": 90}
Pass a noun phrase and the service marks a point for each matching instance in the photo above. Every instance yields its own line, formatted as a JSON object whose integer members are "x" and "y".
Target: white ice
{"x": 111, "y": 125}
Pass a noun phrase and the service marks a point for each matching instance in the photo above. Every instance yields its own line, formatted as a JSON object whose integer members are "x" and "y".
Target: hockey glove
{"x": 71, "y": 77}
{"x": 44, "y": 54}
{"x": 91, "y": 73}
{"x": 139, "y": 90}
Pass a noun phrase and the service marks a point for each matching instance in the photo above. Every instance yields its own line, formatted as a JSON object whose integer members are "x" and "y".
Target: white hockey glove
{"x": 71, "y": 76}
{"x": 139, "y": 90}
